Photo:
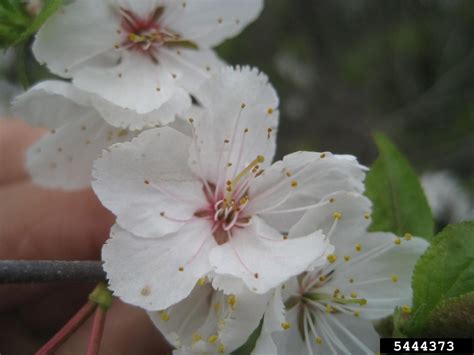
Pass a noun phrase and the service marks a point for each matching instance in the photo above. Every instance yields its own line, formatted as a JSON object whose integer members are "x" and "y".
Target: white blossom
{"x": 140, "y": 55}
{"x": 209, "y": 321}
{"x": 211, "y": 204}
{"x": 330, "y": 309}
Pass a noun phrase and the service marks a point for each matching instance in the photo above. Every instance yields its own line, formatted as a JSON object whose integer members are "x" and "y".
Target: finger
{"x": 50, "y": 225}
{"x": 15, "y": 137}
{"x": 36, "y": 223}
{"x": 128, "y": 330}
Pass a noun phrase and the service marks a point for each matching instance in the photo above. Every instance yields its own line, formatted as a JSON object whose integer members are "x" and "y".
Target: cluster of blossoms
{"x": 210, "y": 237}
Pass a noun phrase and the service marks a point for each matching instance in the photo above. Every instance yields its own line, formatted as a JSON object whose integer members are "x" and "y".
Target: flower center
{"x": 148, "y": 35}
{"x": 227, "y": 210}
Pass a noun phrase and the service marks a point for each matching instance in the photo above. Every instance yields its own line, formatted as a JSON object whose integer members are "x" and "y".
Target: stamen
{"x": 232, "y": 184}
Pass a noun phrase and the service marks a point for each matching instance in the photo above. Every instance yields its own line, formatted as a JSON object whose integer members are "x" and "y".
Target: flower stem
{"x": 74, "y": 323}
{"x": 97, "y": 331}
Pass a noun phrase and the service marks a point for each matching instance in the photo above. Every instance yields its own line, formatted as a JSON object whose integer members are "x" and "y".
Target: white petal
{"x": 357, "y": 335}
{"x": 371, "y": 271}
{"x": 243, "y": 320}
{"x": 135, "y": 83}
{"x": 191, "y": 66}
{"x": 289, "y": 341}
{"x": 126, "y": 118}
{"x": 76, "y": 34}
{"x": 239, "y": 100}
{"x": 157, "y": 273}
{"x": 52, "y": 104}
{"x": 261, "y": 257}
{"x": 64, "y": 159}
{"x": 181, "y": 321}
{"x": 206, "y": 312}
{"x": 149, "y": 186}
{"x": 272, "y": 322}
{"x": 210, "y": 22}
{"x": 343, "y": 216}
{"x": 301, "y": 179}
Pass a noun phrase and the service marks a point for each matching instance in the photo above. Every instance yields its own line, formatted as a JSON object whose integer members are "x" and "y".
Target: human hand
{"x": 40, "y": 224}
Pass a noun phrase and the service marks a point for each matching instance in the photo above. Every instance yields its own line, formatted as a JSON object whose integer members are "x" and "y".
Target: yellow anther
{"x": 285, "y": 237}
{"x": 196, "y": 337}
{"x": 122, "y": 133}
{"x": 164, "y": 316}
{"x": 181, "y": 269}
{"x": 323, "y": 155}
{"x": 408, "y": 236}
{"x": 337, "y": 216}
{"x": 322, "y": 278}
{"x": 354, "y": 295}
{"x": 332, "y": 258}
{"x": 329, "y": 309}
{"x": 217, "y": 307}
{"x": 357, "y": 313}
{"x": 243, "y": 200}
{"x": 232, "y": 301}
{"x": 332, "y": 200}
{"x": 367, "y": 215}
{"x": 294, "y": 183}
{"x": 243, "y": 105}
{"x": 288, "y": 173}
{"x": 270, "y": 111}
{"x": 212, "y": 339}
{"x": 202, "y": 281}
{"x": 221, "y": 349}
{"x": 397, "y": 241}
{"x": 286, "y": 325}
{"x": 259, "y": 159}
{"x": 358, "y": 247}
{"x": 363, "y": 302}
{"x": 136, "y": 38}
{"x": 394, "y": 278}
{"x": 351, "y": 280}
{"x": 406, "y": 309}
{"x": 191, "y": 120}
{"x": 347, "y": 257}
{"x": 145, "y": 291}
{"x": 318, "y": 340}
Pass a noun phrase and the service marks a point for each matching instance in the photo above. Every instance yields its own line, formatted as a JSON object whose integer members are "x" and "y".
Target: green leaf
{"x": 400, "y": 205}
{"x": 443, "y": 273}
{"x": 49, "y": 8}
{"x": 452, "y": 318}
{"x": 248, "y": 347}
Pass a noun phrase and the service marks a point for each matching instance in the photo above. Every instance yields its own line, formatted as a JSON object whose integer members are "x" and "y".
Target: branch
{"x": 26, "y": 271}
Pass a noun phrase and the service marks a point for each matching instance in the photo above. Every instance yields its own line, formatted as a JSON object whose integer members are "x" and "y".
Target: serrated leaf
{"x": 453, "y": 318}
{"x": 444, "y": 272}
{"x": 400, "y": 205}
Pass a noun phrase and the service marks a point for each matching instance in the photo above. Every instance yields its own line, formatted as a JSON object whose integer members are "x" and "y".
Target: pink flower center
{"x": 145, "y": 35}
{"x": 227, "y": 206}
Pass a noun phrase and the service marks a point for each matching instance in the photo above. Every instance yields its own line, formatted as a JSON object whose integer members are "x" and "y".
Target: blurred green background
{"x": 346, "y": 68}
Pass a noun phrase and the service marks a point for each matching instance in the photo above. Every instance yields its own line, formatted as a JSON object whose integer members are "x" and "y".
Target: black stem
{"x": 43, "y": 271}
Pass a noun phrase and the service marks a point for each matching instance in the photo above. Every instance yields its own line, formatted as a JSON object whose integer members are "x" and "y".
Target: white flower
{"x": 140, "y": 55}
{"x": 210, "y": 322}
{"x": 187, "y": 206}
{"x": 330, "y": 309}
